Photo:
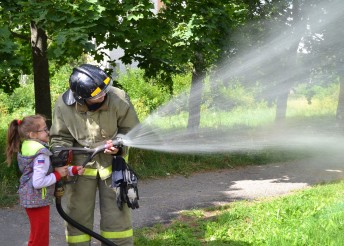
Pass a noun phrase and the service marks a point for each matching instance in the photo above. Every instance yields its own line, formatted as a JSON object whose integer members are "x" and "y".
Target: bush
{"x": 59, "y": 83}
{"x": 4, "y": 108}
{"x": 22, "y": 97}
{"x": 146, "y": 95}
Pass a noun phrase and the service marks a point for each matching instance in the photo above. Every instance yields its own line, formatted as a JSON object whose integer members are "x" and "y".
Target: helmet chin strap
{"x": 95, "y": 106}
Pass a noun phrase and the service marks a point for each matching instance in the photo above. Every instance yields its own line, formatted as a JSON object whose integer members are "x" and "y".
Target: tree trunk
{"x": 41, "y": 72}
{"x": 340, "y": 107}
{"x": 292, "y": 65}
{"x": 195, "y": 98}
{"x": 281, "y": 107}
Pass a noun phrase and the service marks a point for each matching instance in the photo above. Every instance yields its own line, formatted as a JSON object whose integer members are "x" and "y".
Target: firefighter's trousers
{"x": 115, "y": 224}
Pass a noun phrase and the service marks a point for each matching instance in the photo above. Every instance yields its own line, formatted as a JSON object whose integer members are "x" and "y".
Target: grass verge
{"x": 313, "y": 216}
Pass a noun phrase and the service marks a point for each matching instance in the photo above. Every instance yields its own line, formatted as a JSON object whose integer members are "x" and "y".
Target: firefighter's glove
{"x": 124, "y": 182}
{"x": 59, "y": 158}
{"x": 131, "y": 191}
{"x": 118, "y": 182}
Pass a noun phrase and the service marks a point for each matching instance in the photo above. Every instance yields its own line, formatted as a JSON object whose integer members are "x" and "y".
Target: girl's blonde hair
{"x": 18, "y": 131}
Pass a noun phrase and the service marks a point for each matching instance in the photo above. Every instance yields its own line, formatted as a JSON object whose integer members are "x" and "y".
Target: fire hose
{"x": 59, "y": 187}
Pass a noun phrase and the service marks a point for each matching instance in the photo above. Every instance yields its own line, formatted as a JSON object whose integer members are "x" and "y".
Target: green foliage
{"x": 72, "y": 29}
{"x": 59, "y": 83}
{"x": 181, "y": 83}
{"x": 14, "y": 51}
{"x": 201, "y": 29}
{"x": 20, "y": 103}
{"x": 317, "y": 91}
{"x": 22, "y": 97}
{"x": 146, "y": 95}
{"x": 228, "y": 95}
{"x": 4, "y": 108}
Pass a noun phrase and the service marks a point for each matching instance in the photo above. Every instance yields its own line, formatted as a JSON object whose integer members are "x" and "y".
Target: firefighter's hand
{"x": 111, "y": 149}
{"x": 81, "y": 170}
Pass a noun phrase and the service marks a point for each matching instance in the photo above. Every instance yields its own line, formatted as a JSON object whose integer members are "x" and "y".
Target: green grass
{"x": 314, "y": 216}
{"x": 8, "y": 184}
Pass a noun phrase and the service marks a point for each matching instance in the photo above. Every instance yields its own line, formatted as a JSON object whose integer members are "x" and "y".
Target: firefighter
{"x": 88, "y": 114}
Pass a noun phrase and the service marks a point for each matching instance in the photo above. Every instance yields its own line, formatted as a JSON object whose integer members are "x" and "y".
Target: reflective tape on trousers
{"x": 105, "y": 172}
{"x": 78, "y": 239}
{"x": 117, "y": 234}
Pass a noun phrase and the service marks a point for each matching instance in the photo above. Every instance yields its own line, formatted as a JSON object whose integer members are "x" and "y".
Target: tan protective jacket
{"x": 75, "y": 126}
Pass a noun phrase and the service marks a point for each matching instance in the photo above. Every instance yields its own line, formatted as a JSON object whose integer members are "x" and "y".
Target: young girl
{"x": 29, "y": 139}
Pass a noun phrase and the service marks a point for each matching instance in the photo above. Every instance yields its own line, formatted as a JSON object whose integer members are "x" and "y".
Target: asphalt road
{"x": 162, "y": 199}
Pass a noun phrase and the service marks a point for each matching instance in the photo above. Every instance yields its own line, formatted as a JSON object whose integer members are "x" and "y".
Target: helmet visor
{"x": 101, "y": 93}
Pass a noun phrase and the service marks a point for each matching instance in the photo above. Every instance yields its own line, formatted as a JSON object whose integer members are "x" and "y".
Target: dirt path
{"x": 162, "y": 199}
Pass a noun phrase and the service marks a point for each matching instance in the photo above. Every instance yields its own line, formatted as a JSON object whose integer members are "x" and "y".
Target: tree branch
{"x": 17, "y": 35}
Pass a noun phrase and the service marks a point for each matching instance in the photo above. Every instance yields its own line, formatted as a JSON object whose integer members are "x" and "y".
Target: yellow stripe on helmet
{"x": 107, "y": 80}
{"x": 96, "y": 92}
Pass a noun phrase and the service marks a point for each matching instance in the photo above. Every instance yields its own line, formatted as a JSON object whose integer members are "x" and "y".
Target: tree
{"x": 325, "y": 43}
{"x": 40, "y": 69}
{"x": 59, "y": 31}
{"x": 184, "y": 35}
{"x": 25, "y": 28}
{"x": 280, "y": 30}
{"x": 277, "y": 30}
{"x": 199, "y": 31}
{"x": 314, "y": 24}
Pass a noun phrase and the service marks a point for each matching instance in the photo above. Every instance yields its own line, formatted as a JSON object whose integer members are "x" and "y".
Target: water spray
{"x": 234, "y": 123}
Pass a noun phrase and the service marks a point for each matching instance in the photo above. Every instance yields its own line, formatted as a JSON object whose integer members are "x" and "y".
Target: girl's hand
{"x": 63, "y": 171}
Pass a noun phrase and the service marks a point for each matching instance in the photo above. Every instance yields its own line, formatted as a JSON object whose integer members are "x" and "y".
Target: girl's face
{"x": 42, "y": 133}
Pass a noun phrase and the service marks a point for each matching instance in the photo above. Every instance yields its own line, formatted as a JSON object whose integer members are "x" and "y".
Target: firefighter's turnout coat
{"x": 75, "y": 126}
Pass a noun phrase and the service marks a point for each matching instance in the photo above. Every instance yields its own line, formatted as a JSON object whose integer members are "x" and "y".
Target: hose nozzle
{"x": 118, "y": 141}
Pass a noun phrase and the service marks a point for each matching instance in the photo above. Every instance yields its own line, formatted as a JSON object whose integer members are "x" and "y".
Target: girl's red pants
{"x": 39, "y": 226}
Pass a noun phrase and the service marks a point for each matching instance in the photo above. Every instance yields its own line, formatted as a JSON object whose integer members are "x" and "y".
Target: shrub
{"x": 22, "y": 97}
{"x": 59, "y": 83}
{"x": 146, "y": 95}
{"x": 3, "y": 103}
